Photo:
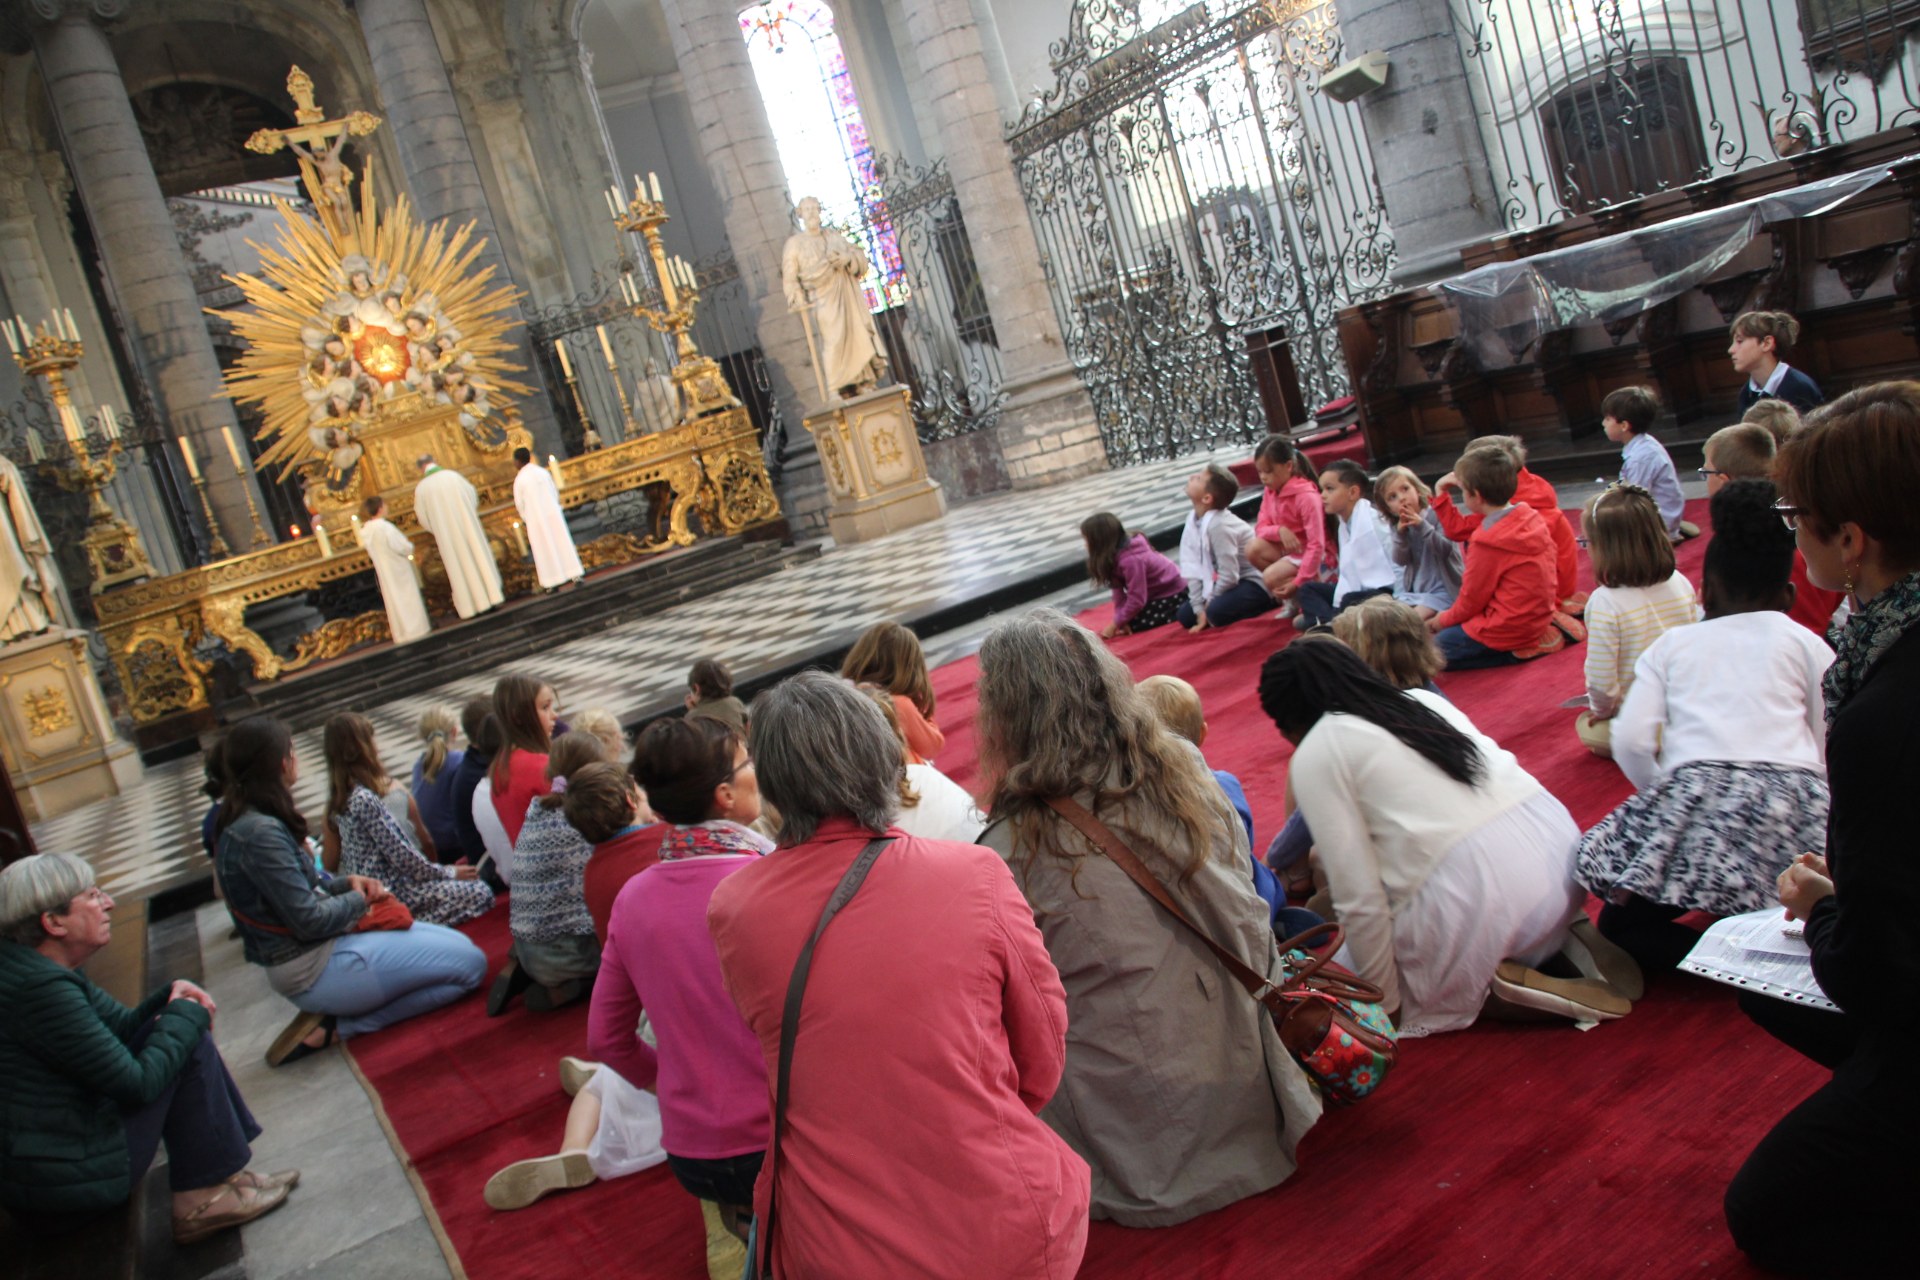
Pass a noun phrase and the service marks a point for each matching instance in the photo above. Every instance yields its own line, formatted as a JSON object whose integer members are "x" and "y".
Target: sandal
{"x": 248, "y": 1204}
{"x": 301, "y": 1049}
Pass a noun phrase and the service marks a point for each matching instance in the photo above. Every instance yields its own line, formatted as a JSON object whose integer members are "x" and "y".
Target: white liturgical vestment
{"x": 406, "y": 609}
{"x": 537, "y": 498}
{"x": 448, "y": 507}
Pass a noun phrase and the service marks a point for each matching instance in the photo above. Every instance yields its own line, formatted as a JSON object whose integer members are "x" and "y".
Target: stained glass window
{"x": 802, "y": 72}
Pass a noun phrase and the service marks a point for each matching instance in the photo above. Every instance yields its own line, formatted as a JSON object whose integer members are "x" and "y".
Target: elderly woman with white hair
{"x": 931, "y": 1026}
{"x": 93, "y": 1087}
{"x": 1156, "y": 1026}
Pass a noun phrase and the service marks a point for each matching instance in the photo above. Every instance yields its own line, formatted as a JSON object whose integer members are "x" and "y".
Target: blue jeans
{"x": 1316, "y": 600}
{"x": 377, "y": 979}
{"x": 1464, "y": 653}
{"x": 1247, "y": 598}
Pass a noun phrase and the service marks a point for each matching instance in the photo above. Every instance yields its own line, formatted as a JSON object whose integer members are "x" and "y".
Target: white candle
{"x": 606, "y": 348}
{"x": 13, "y": 338}
{"x": 613, "y": 206}
{"x": 108, "y": 423}
{"x": 193, "y": 464}
{"x": 233, "y": 451}
{"x": 320, "y": 536}
{"x": 553, "y": 465}
{"x": 70, "y": 420}
{"x": 35, "y": 449}
{"x": 519, "y": 537}
{"x": 560, "y": 349}
{"x": 26, "y": 330}
{"x": 73, "y": 330}
{"x": 653, "y": 183}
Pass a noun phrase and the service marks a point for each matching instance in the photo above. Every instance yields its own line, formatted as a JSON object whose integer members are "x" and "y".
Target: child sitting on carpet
{"x": 889, "y": 655}
{"x": 1290, "y": 533}
{"x": 1744, "y": 452}
{"x": 435, "y": 775}
{"x": 932, "y": 805}
{"x": 710, "y": 694}
{"x": 1504, "y": 613}
{"x": 1723, "y": 734}
{"x": 609, "y": 810}
{"x": 1640, "y": 597}
{"x": 1626, "y": 415}
{"x": 1537, "y": 493}
{"x": 555, "y": 952}
{"x": 604, "y": 725}
{"x": 1147, "y": 587}
{"x": 1223, "y": 587}
{"x": 1781, "y": 420}
{"x": 1759, "y": 340}
{"x": 1421, "y": 547}
{"x": 1366, "y": 565}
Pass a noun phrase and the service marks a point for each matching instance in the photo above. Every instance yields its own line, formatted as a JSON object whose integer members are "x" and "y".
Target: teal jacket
{"x": 68, "y": 1074}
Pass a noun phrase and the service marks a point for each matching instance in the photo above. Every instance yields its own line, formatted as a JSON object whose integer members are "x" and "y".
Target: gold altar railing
{"x": 711, "y": 467}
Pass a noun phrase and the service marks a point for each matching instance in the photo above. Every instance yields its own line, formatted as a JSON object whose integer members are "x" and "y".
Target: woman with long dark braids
{"x": 1451, "y": 868}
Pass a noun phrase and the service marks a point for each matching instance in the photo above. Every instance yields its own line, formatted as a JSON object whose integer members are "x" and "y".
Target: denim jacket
{"x": 269, "y": 880}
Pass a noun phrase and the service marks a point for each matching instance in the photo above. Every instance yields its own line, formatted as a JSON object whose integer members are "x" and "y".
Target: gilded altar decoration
{"x": 359, "y": 319}
{"x": 48, "y": 711}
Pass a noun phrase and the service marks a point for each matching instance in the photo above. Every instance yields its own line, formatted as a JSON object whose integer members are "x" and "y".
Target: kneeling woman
{"x": 308, "y": 933}
{"x": 92, "y": 1086}
{"x": 1451, "y": 868}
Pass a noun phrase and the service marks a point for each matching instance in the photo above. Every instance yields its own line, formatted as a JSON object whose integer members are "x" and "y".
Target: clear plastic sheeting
{"x": 1505, "y": 308}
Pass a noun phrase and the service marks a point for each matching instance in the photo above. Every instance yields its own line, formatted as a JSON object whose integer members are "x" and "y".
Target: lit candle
{"x": 294, "y": 529}
{"x": 320, "y": 536}
{"x": 35, "y": 449}
{"x": 653, "y": 183}
{"x": 519, "y": 537}
{"x": 606, "y": 348}
{"x": 193, "y": 464}
{"x": 13, "y": 337}
{"x": 560, "y": 349}
{"x": 233, "y": 451}
{"x": 553, "y": 465}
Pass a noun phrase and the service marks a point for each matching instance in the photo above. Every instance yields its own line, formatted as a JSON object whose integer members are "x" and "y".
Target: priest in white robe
{"x": 448, "y": 507}
{"x": 537, "y": 498}
{"x": 391, "y": 552}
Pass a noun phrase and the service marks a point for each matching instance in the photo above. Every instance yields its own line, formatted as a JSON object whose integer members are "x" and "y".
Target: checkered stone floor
{"x": 148, "y": 838}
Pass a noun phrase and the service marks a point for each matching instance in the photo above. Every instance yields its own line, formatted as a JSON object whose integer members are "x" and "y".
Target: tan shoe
{"x": 574, "y": 1074}
{"x": 288, "y": 1178}
{"x": 525, "y": 1181}
{"x": 1595, "y": 957}
{"x": 1580, "y": 999}
{"x": 238, "y": 1205}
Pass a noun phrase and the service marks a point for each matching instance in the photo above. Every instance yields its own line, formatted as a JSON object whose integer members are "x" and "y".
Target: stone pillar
{"x": 416, "y": 96}
{"x": 574, "y": 153}
{"x": 138, "y": 248}
{"x": 1424, "y": 134}
{"x": 1048, "y": 432}
{"x": 744, "y": 163}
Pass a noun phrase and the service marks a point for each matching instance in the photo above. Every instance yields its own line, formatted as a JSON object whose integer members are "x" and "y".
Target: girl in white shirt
{"x": 1641, "y": 596}
{"x": 1449, "y": 866}
{"x": 1723, "y": 734}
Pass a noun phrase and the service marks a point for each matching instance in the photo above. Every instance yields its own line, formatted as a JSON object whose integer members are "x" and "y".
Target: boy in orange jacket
{"x": 1540, "y": 495}
{"x": 1504, "y": 612}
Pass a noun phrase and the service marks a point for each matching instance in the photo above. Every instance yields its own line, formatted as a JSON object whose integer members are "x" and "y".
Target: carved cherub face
{"x": 417, "y": 325}
{"x": 336, "y": 347}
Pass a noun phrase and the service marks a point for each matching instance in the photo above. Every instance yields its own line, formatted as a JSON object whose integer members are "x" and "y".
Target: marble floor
{"x": 143, "y": 839}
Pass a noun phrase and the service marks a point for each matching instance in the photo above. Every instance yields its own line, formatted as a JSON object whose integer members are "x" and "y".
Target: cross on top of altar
{"x": 318, "y": 142}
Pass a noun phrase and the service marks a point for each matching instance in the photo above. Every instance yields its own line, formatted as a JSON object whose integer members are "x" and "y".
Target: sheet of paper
{"x": 1754, "y": 953}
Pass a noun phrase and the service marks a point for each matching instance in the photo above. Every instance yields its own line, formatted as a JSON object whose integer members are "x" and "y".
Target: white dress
{"x": 945, "y": 811}
{"x": 389, "y": 550}
{"x": 448, "y": 507}
{"x": 628, "y": 1136}
{"x": 537, "y": 498}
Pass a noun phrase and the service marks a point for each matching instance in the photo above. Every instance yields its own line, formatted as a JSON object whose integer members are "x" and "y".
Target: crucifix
{"x": 318, "y": 142}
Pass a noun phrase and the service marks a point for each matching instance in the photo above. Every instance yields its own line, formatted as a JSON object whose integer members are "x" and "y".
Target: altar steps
{"x": 518, "y": 630}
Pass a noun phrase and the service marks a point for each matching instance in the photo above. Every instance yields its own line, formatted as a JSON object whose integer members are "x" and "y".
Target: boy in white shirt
{"x": 1366, "y": 547}
{"x": 1222, "y": 585}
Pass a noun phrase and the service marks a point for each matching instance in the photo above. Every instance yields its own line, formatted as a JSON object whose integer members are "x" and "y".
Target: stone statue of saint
{"x": 821, "y": 271}
{"x": 29, "y": 596}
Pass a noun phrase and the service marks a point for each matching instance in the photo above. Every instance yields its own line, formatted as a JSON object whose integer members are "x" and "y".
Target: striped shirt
{"x": 1622, "y": 622}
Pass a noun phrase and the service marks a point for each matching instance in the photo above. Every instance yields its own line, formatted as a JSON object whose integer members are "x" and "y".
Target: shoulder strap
{"x": 789, "y": 1028}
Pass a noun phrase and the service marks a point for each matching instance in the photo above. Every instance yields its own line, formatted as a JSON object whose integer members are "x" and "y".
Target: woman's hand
{"x": 1803, "y": 884}
{"x": 369, "y": 888}
{"x": 184, "y": 990}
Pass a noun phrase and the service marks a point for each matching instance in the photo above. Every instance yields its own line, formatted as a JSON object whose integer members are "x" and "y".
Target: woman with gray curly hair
{"x": 932, "y": 1026}
{"x": 1154, "y": 1023}
{"x": 93, "y": 1087}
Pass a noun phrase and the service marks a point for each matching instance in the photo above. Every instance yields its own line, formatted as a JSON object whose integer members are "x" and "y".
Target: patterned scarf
{"x": 1874, "y": 628}
{"x": 715, "y": 839}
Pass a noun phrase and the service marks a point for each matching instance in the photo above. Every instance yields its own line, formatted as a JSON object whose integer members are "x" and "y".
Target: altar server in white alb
{"x": 391, "y": 552}
{"x": 448, "y": 507}
{"x": 537, "y": 498}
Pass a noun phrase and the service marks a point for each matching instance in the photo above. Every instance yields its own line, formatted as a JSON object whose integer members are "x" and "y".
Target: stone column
{"x": 138, "y": 248}
{"x": 1048, "y": 432}
{"x": 574, "y": 154}
{"x": 1424, "y": 134}
{"x": 738, "y": 144}
{"x": 416, "y": 96}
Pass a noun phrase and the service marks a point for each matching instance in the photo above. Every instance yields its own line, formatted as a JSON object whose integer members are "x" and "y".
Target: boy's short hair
{"x": 1635, "y": 406}
{"x": 1221, "y": 486}
{"x": 1490, "y": 472}
{"x": 370, "y": 508}
{"x": 1780, "y": 419}
{"x": 1350, "y": 473}
{"x": 1778, "y": 325}
{"x": 1511, "y": 444}
{"x": 1743, "y": 451}
{"x": 1177, "y": 704}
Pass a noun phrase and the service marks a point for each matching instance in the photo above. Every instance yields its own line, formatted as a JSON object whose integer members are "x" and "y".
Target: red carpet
{"x": 1498, "y": 1151}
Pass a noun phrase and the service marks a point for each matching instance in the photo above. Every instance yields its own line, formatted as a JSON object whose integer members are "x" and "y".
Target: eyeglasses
{"x": 1709, "y": 471}
{"x": 744, "y": 764}
{"x": 1789, "y": 514}
{"x": 93, "y": 894}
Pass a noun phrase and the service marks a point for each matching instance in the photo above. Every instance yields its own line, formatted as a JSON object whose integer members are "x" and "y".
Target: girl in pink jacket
{"x": 1290, "y": 533}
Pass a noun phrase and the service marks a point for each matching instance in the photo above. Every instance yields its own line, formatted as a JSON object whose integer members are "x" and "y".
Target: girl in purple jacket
{"x": 1147, "y": 587}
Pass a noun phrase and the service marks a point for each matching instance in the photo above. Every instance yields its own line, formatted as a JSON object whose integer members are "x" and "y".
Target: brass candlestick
{"x": 703, "y": 388}
{"x": 573, "y": 385}
{"x": 613, "y": 374}
{"x": 261, "y": 538}
{"x": 114, "y": 553}
{"x": 217, "y": 548}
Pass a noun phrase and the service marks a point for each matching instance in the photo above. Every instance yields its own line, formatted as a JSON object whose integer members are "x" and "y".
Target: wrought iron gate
{"x": 1203, "y": 212}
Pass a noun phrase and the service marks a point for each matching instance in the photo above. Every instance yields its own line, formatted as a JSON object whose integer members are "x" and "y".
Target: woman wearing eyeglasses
{"x": 1828, "y": 1191}
{"x": 93, "y": 1087}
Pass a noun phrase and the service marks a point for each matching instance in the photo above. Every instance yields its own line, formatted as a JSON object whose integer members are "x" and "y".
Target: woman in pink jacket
{"x": 932, "y": 1031}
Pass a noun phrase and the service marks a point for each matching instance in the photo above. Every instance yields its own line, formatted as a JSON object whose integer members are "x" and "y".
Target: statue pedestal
{"x": 876, "y": 477}
{"x": 61, "y": 751}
